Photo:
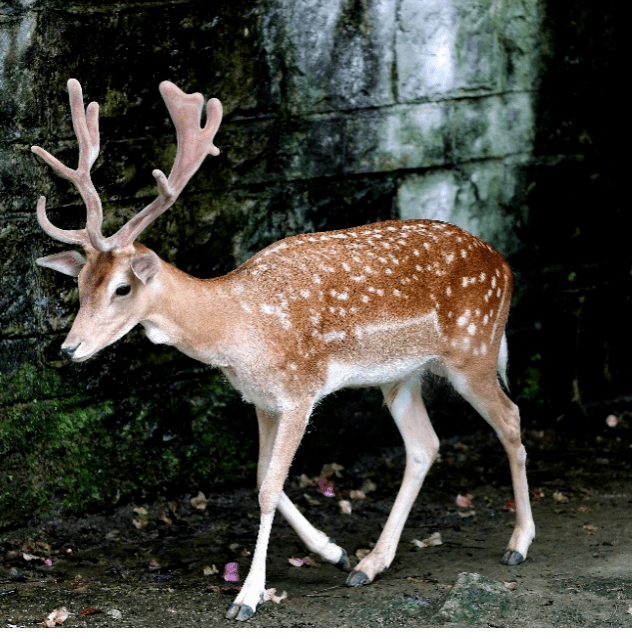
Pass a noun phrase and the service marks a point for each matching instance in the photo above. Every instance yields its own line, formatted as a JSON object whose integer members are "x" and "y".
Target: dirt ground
{"x": 144, "y": 565}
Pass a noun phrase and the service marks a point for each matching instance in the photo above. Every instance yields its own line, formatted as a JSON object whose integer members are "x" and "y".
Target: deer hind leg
{"x": 407, "y": 408}
{"x": 315, "y": 540}
{"x": 487, "y": 397}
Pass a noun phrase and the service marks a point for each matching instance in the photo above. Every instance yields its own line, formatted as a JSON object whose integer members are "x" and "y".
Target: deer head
{"x": 116, "y": 273}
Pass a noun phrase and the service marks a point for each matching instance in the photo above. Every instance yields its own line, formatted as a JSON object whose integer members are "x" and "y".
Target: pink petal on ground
{"x": 464, "y": 501}
{"x": 326, "y": 487}
{"x": 56, "y": 618}
{"x": 231, "y": 571}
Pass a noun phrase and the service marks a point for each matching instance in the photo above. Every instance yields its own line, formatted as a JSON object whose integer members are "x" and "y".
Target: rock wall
{"x": 337, "y": 113}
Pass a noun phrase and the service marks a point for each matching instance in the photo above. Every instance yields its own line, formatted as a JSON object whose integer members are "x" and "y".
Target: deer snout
{"x": 67, "y": 352}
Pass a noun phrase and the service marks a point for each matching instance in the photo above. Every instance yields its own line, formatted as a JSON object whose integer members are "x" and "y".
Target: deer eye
{"x": 123, "y": 289}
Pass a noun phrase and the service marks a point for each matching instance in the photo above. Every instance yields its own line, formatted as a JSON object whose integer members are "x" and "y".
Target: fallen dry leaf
{"x": 36, "y": 548}
{"x": 165, "y": 518}
{"x": 510, "y": 505}
{"x": 305, "y": 561}
{"x": 114, "y": 613}
{"x": 270, "y": 595}
{"x": 357, "y": 494}
{"x": 304, "y": 481}
{"x": 79, "y": 585}
{"x": 310, "y": 500}
{"x": 361, "y": 553}
{"x": 345, "y": 507}
{"x": 511, "y": 585}
{"x": 243, "y": 551}
{"x": 536, "y": 494}
{"x": 211, "y": 570}
{"x": 433, "y": 540}
{"x": 310, "y": 562}
{"x": 368, "y": 486}
{"x": 142, "y": 518}
{"x": 56, "y": 618}
{"x": 331, "y": 470}
{"x": 589, "y": 528}
{"x": 200, "y": 501}
{"x": 464, "y": 501}
{"x": 88, "y": 611}
{"x": 559, "y": 497}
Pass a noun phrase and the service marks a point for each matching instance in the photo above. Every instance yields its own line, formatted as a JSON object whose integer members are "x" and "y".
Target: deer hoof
{"x": 357, "y": 578}
{"x": 512, "y": 558}
{"x": 343, "y": 562}
{"x": 239, "y": 613}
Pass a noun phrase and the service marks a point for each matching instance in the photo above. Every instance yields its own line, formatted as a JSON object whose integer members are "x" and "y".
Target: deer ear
{"x": 145, "y": 266}
{"x": 68, "y": 263}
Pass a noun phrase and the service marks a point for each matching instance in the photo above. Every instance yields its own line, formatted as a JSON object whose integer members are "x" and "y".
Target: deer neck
{"x": 188, "y": 313}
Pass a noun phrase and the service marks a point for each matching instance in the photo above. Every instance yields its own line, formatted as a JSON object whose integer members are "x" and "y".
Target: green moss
{"x": 28, "y": 383}
{"x": 78, "y": 453}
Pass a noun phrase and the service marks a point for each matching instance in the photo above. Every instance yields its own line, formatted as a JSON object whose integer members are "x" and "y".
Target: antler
{"x": 86, "y": 126}
{"x": 193, "y": 145}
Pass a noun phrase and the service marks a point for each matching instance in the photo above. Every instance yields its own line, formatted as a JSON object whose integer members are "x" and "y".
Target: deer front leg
{"x": 315, "y": 540}
{"x": 290, "y": 428}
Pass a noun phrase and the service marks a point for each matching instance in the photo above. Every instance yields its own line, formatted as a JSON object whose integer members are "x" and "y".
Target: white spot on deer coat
{"x": 464, "y": 319}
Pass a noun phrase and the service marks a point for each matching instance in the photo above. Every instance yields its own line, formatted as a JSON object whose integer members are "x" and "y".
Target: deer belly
{"x": 372, "y": 373}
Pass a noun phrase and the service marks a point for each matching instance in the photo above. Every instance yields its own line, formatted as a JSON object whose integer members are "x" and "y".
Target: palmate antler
{"x": 193, "y": 145}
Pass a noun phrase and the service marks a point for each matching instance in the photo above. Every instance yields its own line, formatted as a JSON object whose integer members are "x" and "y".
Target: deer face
{"x": 112, "y": 294}
{"x": 116, "y": 273}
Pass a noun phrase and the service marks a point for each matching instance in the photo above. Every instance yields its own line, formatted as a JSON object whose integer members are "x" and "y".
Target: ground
{"x": 144, "y": 565}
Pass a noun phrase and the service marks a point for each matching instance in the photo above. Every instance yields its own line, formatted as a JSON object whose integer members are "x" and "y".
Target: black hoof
{"x": 239, "y": 613}
{"x": 231, "y": 613}
{"x": 357, "y": 578}
{"x": 245, "y": 612}
{"x": 343, "y": 562}
{"x": 512, "y": 558}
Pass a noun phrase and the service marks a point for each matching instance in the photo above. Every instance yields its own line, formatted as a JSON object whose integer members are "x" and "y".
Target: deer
{"x": 379, "y": 305}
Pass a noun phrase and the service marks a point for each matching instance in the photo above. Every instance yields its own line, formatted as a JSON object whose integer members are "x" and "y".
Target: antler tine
{"x": 86, "y": 126}
{"x": 69, "y": 237}
{"x": 193, "y": 145}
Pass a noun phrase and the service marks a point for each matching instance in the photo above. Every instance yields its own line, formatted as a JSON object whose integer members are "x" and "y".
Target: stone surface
{"x": 336, "y": 114}
{"x": 474, "y": 600}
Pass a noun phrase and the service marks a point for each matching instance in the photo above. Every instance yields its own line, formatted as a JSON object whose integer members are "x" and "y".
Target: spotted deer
{"x": 376, "y": 305}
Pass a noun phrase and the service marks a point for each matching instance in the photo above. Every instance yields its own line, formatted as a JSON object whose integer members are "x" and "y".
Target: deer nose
{"x": 68, "y": 351}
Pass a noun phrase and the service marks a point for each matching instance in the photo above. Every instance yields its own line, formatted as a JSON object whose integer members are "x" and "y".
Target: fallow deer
{"x": 377, "y": 305}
